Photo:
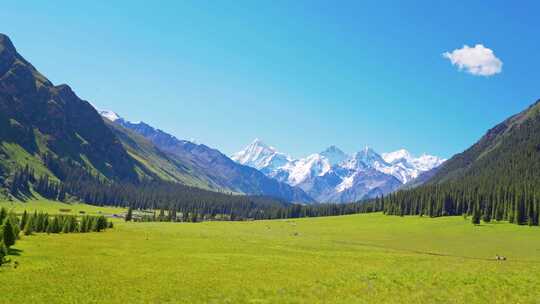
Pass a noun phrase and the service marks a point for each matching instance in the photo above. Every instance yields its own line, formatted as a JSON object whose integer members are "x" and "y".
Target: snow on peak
{"x": 260, "y": 156}
{"x": 335, "y": 163}
{"x": 406, "y": 167}
{"x": 110, "y": 115}
{"x": 305, "y": 168}
{"x": 400, "y": 154}
{"x": 427, "y": 162}
{"x": 294, "y": 171}
{"x": 334, "y": 155}
{"x": 369, "y": 157}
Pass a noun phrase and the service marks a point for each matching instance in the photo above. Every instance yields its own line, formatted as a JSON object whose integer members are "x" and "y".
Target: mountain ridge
{"x": 492, "y": 144}
{"x": 38, "y": 118}
{"x": 212, "y": 166}
{"x": 333, "y": 175}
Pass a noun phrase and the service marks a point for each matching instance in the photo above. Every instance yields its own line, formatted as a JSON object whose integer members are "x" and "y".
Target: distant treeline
{"x": 498, "y": 178}
{"x": 189, "y": 203}
{"x": 493, "y": 196}
{"x": 258, "y": 213}
{"x": 12, "y": 226}
{"x": 519, "y": 204}
{"x": 81, "y": 185}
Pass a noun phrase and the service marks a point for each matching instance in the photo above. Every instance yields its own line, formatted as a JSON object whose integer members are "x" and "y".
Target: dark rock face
{"x": 30, "y": 106}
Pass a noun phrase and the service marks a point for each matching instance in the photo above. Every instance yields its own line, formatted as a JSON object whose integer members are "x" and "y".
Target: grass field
{"x": 352, "y": 259}
{"x": 54, "y": 207}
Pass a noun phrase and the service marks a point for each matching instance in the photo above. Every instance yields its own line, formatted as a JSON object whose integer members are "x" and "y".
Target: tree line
{"x": 517, "y": 203}
{"x": 12, "y": 226}
{"x": 77, "y": 183}
{"x": 486, "y": 193}
{"x": 498, "y": 178}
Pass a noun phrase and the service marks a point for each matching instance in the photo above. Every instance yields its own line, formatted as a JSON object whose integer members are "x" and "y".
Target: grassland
{"x": 352, "y": 259}
{"x": 54, "y": 207}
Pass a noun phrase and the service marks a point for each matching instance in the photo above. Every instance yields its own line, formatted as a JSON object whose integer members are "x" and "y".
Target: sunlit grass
{"x": 352, "y": 259}
{"x": 54, "y": 207}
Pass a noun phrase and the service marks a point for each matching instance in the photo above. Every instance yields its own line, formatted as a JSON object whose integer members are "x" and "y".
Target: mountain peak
{"x": 367, "y": 151}
{"x": 11, "y": 61}
{"x": 258, "y": 142}
{"x": 6, "y": 45}
{"x": 367, "y": 158}
{"x": 259, "y": 155}
{"x": 332, "y": 149}
{"x": 397, "y": 155}
{"x": 258, "y": 145}
{"x": 334, "y": 155}
{"x": 7, "y": 54}
{"x": 110, "y": 115}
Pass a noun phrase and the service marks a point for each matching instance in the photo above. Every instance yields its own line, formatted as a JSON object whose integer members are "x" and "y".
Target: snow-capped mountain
{"x": 260, "y": 156}
{"x": 110, "y": 115}
{"x": 333, "y": 175}
{"x": 334, "y": 155}
{"x": 211, "y": 166}
{"x": 406, "y": 167}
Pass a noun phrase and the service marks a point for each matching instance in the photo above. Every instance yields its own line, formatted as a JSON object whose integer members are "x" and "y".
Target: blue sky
{"x": 301, "y": 75}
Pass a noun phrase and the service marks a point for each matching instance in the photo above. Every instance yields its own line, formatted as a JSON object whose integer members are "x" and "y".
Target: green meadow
{"x": 369, "y": 258}
{"x": 54, "y": 207}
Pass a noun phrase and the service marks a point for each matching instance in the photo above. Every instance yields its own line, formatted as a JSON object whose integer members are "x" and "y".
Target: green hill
{"x": 509, "y": 151}
{"x": 496, "y": 178}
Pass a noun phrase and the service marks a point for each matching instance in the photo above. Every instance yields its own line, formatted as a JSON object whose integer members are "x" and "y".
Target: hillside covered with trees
{"x": 496, "y": 178}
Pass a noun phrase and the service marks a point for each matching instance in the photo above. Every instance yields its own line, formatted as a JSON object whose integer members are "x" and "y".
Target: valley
{"x": 396, "y": 156}
{"x": 368, "y": 258}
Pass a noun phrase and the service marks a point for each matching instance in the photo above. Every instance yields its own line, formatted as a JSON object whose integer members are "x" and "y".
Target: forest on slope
{"x": 496, "y": 178}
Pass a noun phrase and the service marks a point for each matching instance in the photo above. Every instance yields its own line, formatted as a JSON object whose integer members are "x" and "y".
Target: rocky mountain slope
{"x": 209, "y": 166}
{"x": 38, "y": 118}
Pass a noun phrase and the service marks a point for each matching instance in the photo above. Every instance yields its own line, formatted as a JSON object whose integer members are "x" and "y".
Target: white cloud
{"x": 478, "y": 60}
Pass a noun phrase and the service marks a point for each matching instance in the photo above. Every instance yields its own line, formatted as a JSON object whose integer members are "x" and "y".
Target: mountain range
{"x": 45, "y": 126}
{"x": 57, "y": 145}
{"x": 208, "y": 167}
{"x": 335, "y": 176}
{"x": 328, "y": 176}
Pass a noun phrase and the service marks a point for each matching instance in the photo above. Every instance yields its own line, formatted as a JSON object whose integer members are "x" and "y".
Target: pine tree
{"x": 29, "y": 226}
{"x": 475, "y": 219}
{"x": 161, "y": 215}
{"x": 3, "y": 252}
{"x": 486, "y": 217}
{"x": 129, "y": 215}
{"x": 85, "y": 223}
{"x": 54, "y": 225}
{"x": 66, "y": 226}
{"x": 24, "y": 219}
{"x": 8, "y": 233}
{"x": 3, "y": 214}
